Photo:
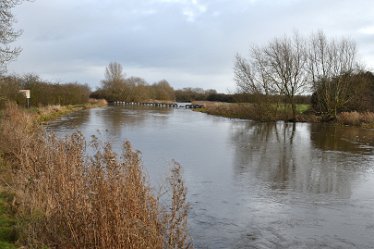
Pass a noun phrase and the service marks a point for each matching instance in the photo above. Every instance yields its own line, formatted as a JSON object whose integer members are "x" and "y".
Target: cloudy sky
{"x": 190, "y": 43}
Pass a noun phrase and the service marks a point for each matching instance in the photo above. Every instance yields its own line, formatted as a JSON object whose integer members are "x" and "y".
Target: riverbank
{"x": 259, "y": 112}
{"x": 61, "y": 197}
{"x": 51, "y": 112}
{"x": 8, "y": 221}
{"x": 272, "y": 113}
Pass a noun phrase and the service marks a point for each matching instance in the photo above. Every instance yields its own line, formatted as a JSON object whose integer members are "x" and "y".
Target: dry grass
{"x": 233, "y": 110}
{"x": 256, "y": 111}
{"x": 66, "y": 200}
{"x": 356, "y": 118}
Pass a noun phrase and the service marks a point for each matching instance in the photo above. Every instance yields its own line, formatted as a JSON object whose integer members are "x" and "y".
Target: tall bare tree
{"x": 328, "y": 62}
{"x": 287, "y": 60}
{"x": 250, "y": 75}
{"x": 114, "y": 84}
{"x": 276, "y": 68}
{"x": 7, "y": 33}
{"x": 114, "y": 72}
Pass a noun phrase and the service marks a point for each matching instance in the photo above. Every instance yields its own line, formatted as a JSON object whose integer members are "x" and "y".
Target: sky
{"x": 190, "y": 43}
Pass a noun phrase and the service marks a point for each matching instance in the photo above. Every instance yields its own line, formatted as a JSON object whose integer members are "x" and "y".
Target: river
{"x": 251, "y": 184}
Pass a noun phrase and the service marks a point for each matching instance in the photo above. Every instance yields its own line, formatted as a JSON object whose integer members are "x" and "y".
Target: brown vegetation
{"x": 66, "y": 200}
{"x": 356, "y": 118}
{"x": 116, "y": 87}
{"x": 42, "y": 92}
{"x": 258, "y": 111}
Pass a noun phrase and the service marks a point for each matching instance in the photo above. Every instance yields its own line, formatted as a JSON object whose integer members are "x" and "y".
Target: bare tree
{"x": 277, "y": 68}
{"x": 114, "y": 72}
{"x": 251, "y": 76}
{"x": 286, "y": 67}
{"x": 114, "y": 83}
{"x": 7, "y": 33}
{"x": 328, "y": 62}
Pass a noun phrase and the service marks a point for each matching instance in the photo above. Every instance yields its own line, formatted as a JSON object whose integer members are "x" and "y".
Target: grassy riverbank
{"x": 61, "y": 199}
{"x": 51, "y": 112}
{"x": 262, "y": 112}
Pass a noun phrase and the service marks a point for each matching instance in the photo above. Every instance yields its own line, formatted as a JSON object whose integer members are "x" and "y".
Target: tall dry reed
{"x": 66, "y": 200}
{"x": 355, "y": 118}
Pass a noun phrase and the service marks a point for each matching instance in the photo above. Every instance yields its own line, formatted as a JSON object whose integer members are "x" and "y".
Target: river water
{"x": 251, "y": 184}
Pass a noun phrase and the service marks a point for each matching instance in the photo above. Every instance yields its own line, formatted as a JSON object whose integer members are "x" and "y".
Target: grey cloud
{"x": 195, "y": 40}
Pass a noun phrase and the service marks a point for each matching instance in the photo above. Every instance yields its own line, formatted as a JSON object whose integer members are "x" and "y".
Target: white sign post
{"x": 27, "y": 95}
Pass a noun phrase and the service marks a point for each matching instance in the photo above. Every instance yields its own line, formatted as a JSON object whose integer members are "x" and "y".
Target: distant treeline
{"x": 192, "y": 94}
{"x": 199, "y": 94}
{"x": 356, "y": 92}
{"x": 42, "y": 92}
{"x": 116, "y": 87}
{"x": 132, "y": 89}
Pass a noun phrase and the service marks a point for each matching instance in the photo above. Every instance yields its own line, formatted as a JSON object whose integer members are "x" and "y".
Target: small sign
{"x": 26, "y": 93}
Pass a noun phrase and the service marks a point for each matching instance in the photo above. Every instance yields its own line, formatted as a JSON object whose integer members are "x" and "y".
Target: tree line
{"x": 116, "y": 87}
{"x": 291, "y": 66}
{"x": 42, "y": 92}
{"x": 132, "y": 89}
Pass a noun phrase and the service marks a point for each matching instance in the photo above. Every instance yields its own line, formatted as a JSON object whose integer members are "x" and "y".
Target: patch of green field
{"x": 301, "y": 108}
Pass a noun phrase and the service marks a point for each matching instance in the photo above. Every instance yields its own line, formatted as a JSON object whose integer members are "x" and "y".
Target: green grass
{"x": 8, "y": 234}
{"x": 301, "y": 108}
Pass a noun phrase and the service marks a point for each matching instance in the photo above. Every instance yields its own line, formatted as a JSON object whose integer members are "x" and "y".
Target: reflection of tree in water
{"x": 345, "y": 139}
{"x": 282, "y": 157}
{"x": 118, "y": 117}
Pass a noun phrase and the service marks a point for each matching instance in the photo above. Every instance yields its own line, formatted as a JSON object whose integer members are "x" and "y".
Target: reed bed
{"x": 64, "y": 199}
{"x": 356, "y": 118}
{"x": 263, "y": 112}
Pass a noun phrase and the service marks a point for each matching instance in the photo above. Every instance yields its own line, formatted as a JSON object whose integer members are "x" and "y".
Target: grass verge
{"x": 52, "y": 112}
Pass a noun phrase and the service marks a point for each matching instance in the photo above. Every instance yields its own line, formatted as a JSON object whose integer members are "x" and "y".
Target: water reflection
{"x": 345, "y": 139}
{"x": 283, "y": 156}
{"x": 116, "y": 118}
